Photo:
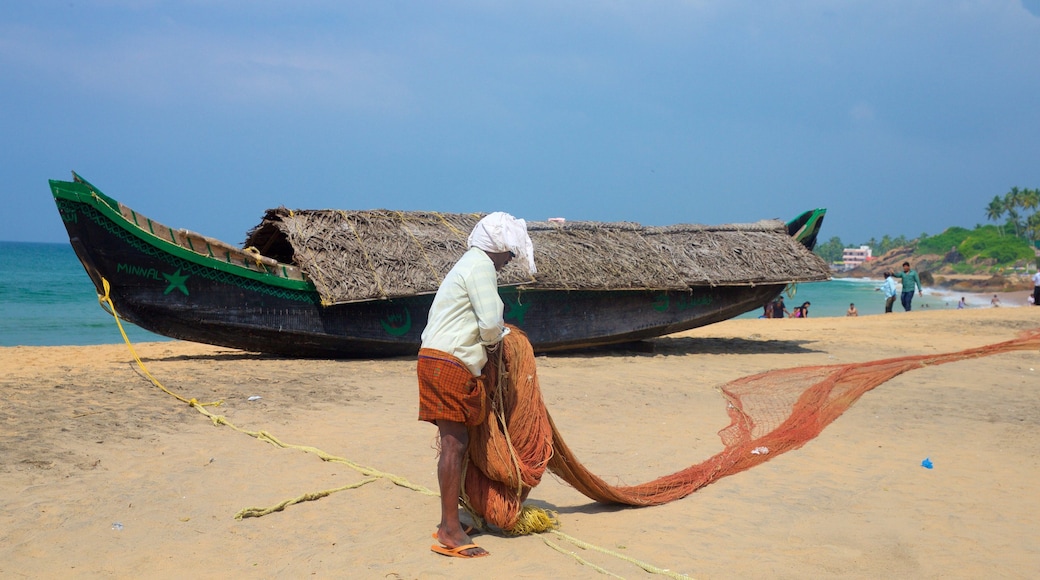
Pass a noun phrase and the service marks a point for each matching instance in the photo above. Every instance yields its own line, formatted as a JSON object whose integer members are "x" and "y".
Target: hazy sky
{"x": 899, "y": 116}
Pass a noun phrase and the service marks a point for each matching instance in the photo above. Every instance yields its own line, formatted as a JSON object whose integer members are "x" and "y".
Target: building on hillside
{"x": 853, "y": 257}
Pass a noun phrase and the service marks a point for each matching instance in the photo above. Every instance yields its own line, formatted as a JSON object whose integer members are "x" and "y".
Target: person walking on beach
{"x": 1036, "y": 288}
{"x": 911, "y": 281}
{"x": 961, "y": 305}
{"x": 465, "y": 322}
{"x": 779, "y": 310}
{"x": 889, "y": 289}
{"x": 995, "y": 301}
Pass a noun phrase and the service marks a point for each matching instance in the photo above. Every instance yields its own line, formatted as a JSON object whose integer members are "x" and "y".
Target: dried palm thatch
{"x": 363, "y": 255}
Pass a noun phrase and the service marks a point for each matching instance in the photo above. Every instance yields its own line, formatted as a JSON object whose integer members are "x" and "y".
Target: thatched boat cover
{"x": 354, "y": 256}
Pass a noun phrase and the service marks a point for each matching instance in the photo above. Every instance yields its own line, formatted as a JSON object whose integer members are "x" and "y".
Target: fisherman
{"x": 465, "y": 323}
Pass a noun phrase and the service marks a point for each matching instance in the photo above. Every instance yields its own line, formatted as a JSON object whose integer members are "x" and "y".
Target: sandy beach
{"x": 106, "y": 476}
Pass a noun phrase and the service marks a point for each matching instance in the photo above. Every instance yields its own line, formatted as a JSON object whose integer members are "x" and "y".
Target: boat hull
{"x": 194, "y": 297}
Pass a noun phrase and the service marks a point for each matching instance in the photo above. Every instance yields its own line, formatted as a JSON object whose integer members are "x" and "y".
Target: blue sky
{"x": 899, "y": 116}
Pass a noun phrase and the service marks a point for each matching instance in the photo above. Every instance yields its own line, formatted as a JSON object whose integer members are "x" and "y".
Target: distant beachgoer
{"x": 801, "y": 311}
{"x": 911, "y": 281}
{"x": 1036, "y": 288}
{"x": 779, "y": 309}
{"x": 889, "y": 288}
{"x": 852, "y": 310}
{"x": 995, "y": 301}
{"x": 961, "y": 305}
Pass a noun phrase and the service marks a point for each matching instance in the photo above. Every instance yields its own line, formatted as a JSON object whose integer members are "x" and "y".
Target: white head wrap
{"x": 501, "y": 232}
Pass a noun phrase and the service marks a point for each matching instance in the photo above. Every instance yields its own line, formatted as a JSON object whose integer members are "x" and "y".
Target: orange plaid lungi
{"x": 448, "y": 390}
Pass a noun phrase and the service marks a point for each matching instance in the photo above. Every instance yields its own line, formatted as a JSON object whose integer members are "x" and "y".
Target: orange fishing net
{"x": 770, "y": 413}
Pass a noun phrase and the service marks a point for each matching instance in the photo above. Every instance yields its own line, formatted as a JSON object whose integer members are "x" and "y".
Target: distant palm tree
{"x": 1031, "y": 201}
{"x": 995, "y": 211}
{"x": 1013, "y": 201}
{"x": 1033, "y": 226}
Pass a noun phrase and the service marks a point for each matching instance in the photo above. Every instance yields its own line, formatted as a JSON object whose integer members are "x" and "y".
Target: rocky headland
{"x": 946, "y": 271}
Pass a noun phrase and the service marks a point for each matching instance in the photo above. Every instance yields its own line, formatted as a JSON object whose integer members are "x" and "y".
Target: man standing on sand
{"x": 1036, "y": 288}
{"x": 889, "y": 289}
{"x": 465, "y": 322}
{"x": 910, "y": 282}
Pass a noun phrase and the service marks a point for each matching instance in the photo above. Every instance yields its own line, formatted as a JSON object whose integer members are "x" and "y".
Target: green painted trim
{"x": 811, "y": 224}
{"x": 109, "y": 208}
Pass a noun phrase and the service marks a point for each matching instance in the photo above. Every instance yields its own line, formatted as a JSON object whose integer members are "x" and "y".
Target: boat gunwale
{"x": 85, "y": 194}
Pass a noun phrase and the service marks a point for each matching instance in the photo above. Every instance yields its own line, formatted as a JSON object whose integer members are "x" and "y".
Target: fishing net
{"x": 770, "y": 413}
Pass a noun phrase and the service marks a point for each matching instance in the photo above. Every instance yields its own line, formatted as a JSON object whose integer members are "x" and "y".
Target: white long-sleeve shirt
{"x": 466, "y": 313}
{"x": 889, "y": 287}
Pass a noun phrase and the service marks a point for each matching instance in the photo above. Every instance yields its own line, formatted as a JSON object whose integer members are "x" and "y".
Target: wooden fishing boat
{"x": 322, "y": 283}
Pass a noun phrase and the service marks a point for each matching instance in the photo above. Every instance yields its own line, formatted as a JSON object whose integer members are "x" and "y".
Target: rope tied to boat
{"x": 106, "y": 300}
{"x": 254, "y": 253}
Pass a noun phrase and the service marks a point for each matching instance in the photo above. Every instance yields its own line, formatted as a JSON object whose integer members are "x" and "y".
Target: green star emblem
{"x": 176, "y": 281}
{"x": 517, "y": 311}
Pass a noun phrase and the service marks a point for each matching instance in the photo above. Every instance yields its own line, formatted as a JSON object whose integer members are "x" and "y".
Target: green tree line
{"x": 1017, "y": 214}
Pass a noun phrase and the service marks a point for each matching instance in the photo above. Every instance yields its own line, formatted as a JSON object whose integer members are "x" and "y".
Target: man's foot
{"x": 457, "y": 544}
{"x": 464, "y": 551}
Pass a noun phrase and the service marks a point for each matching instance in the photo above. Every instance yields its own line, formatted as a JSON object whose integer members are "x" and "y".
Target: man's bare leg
{"x": 454, "y": 441}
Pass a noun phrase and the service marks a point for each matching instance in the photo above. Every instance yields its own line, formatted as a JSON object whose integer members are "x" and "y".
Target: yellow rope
{"x": 261, "y": 435}
{"x": 453, "y": 229}
{"x": 259, "y": 512}
{"x": 532, "y": 519}
{"x": 254, "y": 253}
{"x": 106, "y": 300}
{"x": 645, "y": 566}
{"x": 580, "y": 560}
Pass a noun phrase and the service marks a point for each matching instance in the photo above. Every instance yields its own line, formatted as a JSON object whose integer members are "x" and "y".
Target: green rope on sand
{"x": 645, "y": 566}
{"x": 534, "y": 520}
{"x": 258, "y": 512}
{"x": 580, "y": 560}
{"x": 363, "y": 470}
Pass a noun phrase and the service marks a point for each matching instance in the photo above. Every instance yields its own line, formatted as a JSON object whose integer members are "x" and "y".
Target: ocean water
{"x": 47, "y": 299}
{"x": 832, "y": 298}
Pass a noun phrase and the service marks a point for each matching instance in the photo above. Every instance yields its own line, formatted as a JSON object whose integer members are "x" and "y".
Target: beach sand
{"x": 105, "y": 476}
